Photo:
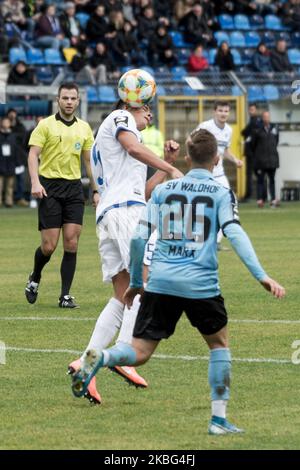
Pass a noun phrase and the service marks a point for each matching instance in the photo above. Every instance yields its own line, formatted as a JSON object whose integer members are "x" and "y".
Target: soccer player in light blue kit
{"x": 188, "y": 214}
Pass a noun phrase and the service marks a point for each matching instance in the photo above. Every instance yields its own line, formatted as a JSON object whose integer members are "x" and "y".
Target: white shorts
{"x": 114, "y": 233}
{"x": 149, "y": 248}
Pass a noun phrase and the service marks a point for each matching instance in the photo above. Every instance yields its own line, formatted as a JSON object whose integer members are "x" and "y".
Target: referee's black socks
{"x": 39, "y": 262}
{"x": 67, "y": 271}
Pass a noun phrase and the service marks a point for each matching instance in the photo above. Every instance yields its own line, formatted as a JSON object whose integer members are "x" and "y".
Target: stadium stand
{"x": 237, "y": 25}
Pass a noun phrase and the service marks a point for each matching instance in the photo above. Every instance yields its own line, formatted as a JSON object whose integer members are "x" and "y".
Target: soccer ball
{"x": 136, "y": 88}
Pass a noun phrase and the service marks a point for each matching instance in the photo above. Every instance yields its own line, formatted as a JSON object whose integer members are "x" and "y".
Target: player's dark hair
{"x": 202, "y": 146}
{"x": 68, "y": 86}
{"x": 119, "y": 105}
{"x": 221, "y": 104}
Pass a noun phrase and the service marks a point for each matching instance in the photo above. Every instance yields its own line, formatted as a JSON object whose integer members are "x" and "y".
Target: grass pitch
{"x": 37, "y": 409}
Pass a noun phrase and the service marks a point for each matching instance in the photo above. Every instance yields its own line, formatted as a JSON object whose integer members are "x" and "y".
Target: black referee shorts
{"x": 159, "y": 314}
{"x": 64, "y": 203}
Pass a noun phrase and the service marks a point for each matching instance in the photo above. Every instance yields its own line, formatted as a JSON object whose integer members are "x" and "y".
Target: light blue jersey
{"x": 188, "y": 214}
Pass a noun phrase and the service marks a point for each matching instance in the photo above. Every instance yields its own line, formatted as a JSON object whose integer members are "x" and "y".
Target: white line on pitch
{"x": 156, "y": 356}
{"x": 75, "y": 319}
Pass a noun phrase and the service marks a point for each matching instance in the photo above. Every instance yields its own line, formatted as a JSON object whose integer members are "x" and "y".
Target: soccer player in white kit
{"x": 119, "y": 165}
{"x": 223, "y": 133}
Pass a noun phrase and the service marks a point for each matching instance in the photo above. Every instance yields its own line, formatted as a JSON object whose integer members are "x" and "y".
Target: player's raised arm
{"x": 137, "y": 150}
{"x": 229, "y": 222}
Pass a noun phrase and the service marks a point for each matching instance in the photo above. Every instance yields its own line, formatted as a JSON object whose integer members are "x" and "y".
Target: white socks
{"x": 129, "y": 317}
{"x": 218, "y": 408}
{"x": 108, "y": 323}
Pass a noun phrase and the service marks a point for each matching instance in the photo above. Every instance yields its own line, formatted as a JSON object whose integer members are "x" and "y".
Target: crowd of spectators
{"x": 119, "y": 33}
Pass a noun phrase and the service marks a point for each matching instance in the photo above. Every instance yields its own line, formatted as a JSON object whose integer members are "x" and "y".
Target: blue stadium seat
{"x": 211, "y": 56}
{"x": 92, "y": 94}
{"x": 294, "y": 56}
{"x": 35, "y": 57}
{"x": 178, "y": 73}
{"x": 44, "y": 74}
{"x": 16, "y": 54}
{"x": 236, "y": 91}
{"x": 237, "y": 39}
{"x": 271, "y": 92}
{"x": 188, "y": 91}
{"x": 53, "y": 57}
{"x": 106, "y": 94}
{"x": 255, "y": 93}
{"x": 236, "y": 57}
{"x": 257, "y": 22}
{"x": 268, "y": 38}
{"x": 296, "y": 39}
{"x": 148, "y": 69}
{"x": 161, "y": 91}
{"x": 83, "y": 19}
{"x": 178, "y": 40}
{"x": 242, "y": 22}
{"x": 247, "y": 55}
{"x": 183, "y": 56}
{"x": 226, "y": 21}
{"x": 220, "y": 37}
{"x": 252, "y": 39}
{"x": 273, "y": 23}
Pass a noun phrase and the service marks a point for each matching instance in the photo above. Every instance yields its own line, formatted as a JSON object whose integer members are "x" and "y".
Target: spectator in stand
{"x": 266, "y": 158}
{"x": 70, "y": 25}
{"x": 128, "y": 12}
{"x": 20, "y": 74}
{"x": 48, "y": 30}
{"x": 85, "y": 6}
{"x": 291, "y": 14}
{"x": 14, "y": 10}
{"x": 159, "y": 43}
{"x": 224, "y": 59}
{"x": 19, "y": 131}
{"x": 97, "y": 25}
{"x": 113, "y": 5}
{"x": 102, "y": 64}
{"x": 280, "y": 59}
{"x": 182, "y": 8}
{"x": 8, "y": 162}
{"x": 126, "y": 47}
{"x": 147, "y": 24}
{"x": 80, "y": 65}
{"x": 210, "y": 14}
{"x": 196, "y": 61}
{"x": 255, "y": 123}
{"x": 4, "y": 42}
{"x": 261, "y": 59}
{"x": 196, "y": 30}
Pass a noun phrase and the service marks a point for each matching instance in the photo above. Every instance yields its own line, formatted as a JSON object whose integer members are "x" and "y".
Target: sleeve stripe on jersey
{"x": 228, "y": 223}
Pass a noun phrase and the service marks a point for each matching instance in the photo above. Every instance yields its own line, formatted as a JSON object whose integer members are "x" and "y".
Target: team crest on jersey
{"x": 77, "y": 146}
{"x": 121, "y": 120}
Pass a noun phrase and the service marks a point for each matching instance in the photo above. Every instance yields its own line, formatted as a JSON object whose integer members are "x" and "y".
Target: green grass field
{"x": 37, "y": 410}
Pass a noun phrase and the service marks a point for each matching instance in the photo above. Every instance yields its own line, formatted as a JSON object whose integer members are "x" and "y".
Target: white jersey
{"x": 120, "y": 178}
{"x": 223, "y": 137}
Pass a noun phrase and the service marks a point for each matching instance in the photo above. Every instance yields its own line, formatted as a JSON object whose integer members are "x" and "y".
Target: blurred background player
{"x": 223, "y": 133}
{"x": 54, "y": 164}
{"x": 119, "y": 164}
{"x": 184, "y": 274}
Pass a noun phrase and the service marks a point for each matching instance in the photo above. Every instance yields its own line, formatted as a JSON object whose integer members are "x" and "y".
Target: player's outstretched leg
{"x": 121, "y": 354}
{"x": 219, "y": 380}
{"x": 92, "y": 393}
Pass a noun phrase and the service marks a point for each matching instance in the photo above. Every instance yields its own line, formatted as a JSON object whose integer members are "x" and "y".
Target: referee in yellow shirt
{"x": 54, "y": 164}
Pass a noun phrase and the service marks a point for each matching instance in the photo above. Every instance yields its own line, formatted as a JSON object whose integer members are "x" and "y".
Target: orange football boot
{"x": 92, "y": 394}
{"x": 130, "y": 375}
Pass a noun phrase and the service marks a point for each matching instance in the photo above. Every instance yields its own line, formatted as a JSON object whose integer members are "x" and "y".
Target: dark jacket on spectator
{"x": 26, "y": 78}
{"x": 45, "y": 28}
{"x": 103, "y": 59}
{"x": 8, "y": 163}
{"x": 96, "y": 28}
{"x": 280, "y": 62}
{"x": 224, "y": 61}
{"x": 66, "y": 27}
{"x": 125, "y": 42}
{"x": 261, "y": 62}
{"x": 264, "y": 144}
{"x": 253, "y": 125}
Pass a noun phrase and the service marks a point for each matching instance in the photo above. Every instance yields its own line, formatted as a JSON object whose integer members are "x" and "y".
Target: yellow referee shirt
{"x": 62, "y": 143}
